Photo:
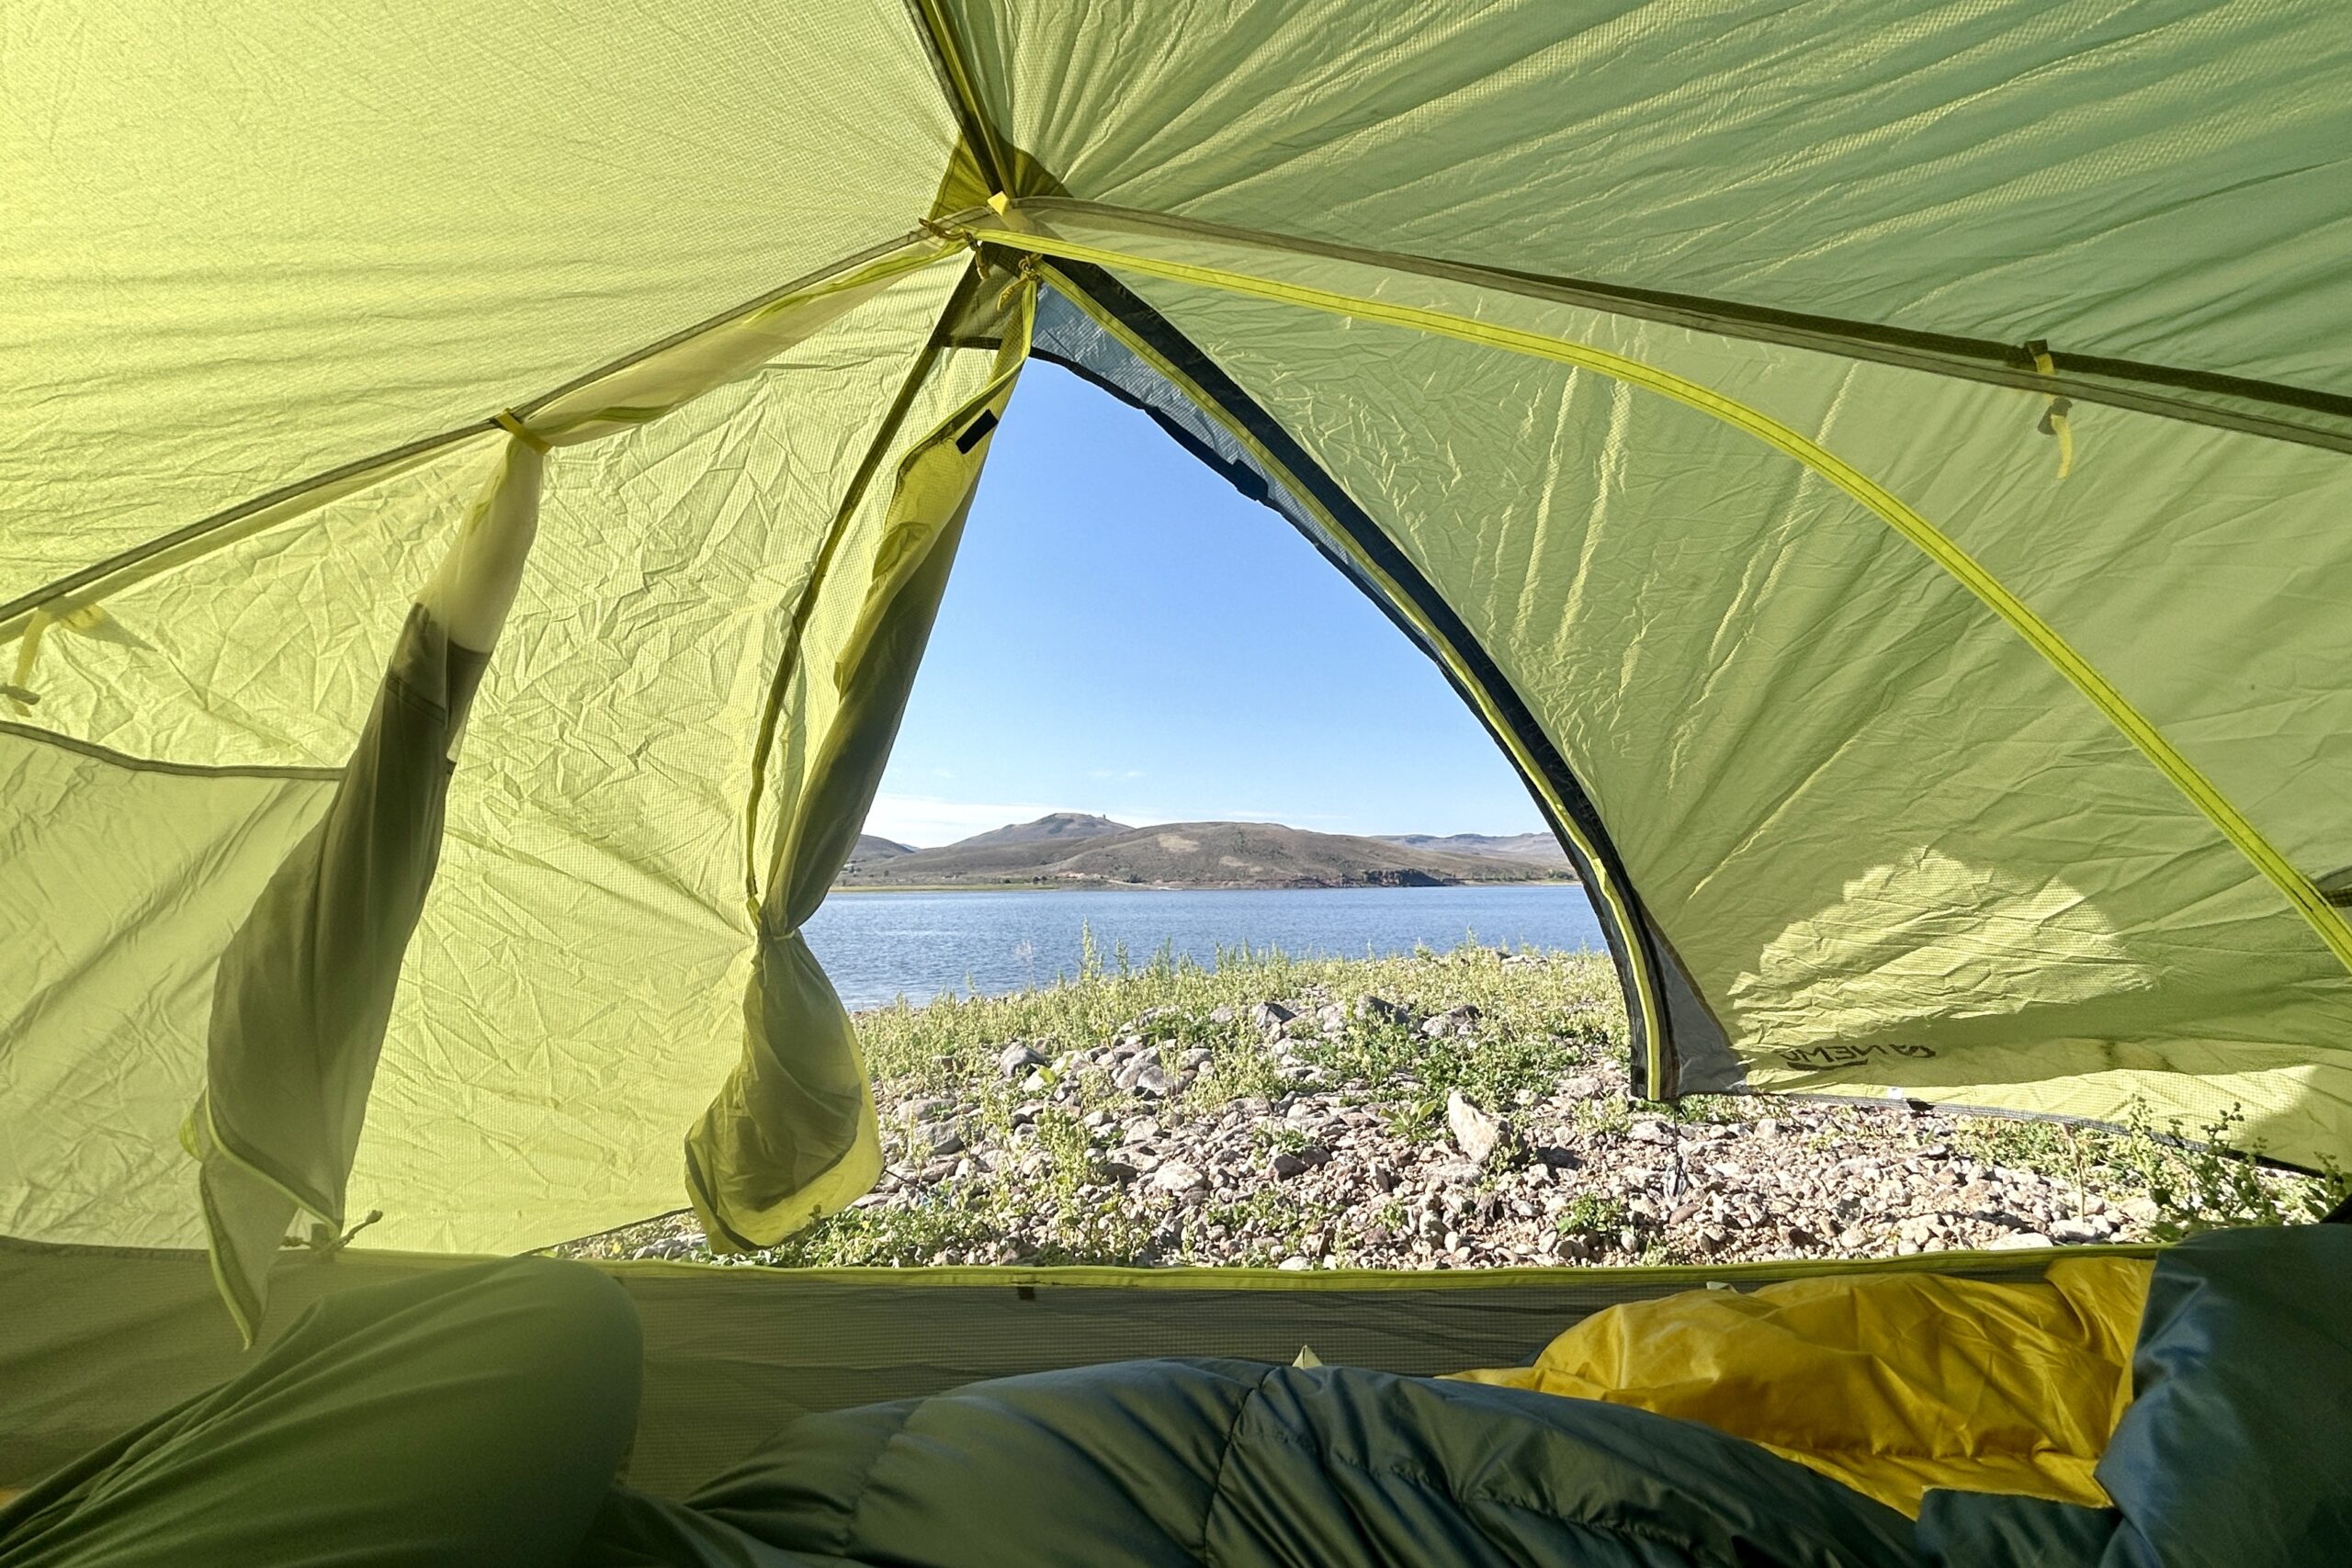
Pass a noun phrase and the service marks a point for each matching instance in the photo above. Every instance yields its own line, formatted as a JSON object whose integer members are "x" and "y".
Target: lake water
{"x": 877, "y": 946}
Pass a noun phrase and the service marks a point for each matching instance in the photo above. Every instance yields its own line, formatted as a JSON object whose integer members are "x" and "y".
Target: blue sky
{"x": 1126, "y": 635}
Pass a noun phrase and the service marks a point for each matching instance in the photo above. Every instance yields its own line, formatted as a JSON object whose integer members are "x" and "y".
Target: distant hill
{"x": 1071, "y": 850}
{"x": 1054, "y": 827}
{"x": 872, "y": 848}
{"x": 1539, "y": 846}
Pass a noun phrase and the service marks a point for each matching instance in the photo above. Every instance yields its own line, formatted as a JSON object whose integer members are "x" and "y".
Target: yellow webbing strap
{"x": 2054, "y": 417}
{"x": 20, "y": 691}
{"x": 509, "y": 422}
{"x": 2299, "y": 890}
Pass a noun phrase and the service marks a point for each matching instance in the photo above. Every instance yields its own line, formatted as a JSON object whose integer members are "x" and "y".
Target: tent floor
{"x": 93, "y": 1340}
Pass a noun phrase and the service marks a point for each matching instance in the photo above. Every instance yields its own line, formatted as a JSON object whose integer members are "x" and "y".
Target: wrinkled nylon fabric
{"x": 1893, "y": 1385}
{"x": 235, "y": 259}
{"x": 587, "y": 906}
{"x": 2160, "y": 182}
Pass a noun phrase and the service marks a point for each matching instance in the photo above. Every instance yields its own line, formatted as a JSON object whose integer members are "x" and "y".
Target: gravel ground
{"x": 1460, "y": 1111}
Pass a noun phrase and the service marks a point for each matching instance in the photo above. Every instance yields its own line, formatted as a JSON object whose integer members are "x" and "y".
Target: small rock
{"x": 1221, "y": 1015}
{"x": 1178, "y": 1178}
{"x": 1294, "y": 1264}
{"x": 1453, "y": 1021}
{"x": 2075, "y": 1232}
{"x": 1019, "y": 1058}
{"x": 1649, "y": 1130}
{"x": 1158, "y": 1081}
{"x": 1379, "y": 1009}
{"x": 1268, "y": 1018}
{"x": 937, "y": 1138}
{"x": 2018, "y": 1241}
{"x": 1285, "y": 1165}
{"x": 1477, "y": 1133}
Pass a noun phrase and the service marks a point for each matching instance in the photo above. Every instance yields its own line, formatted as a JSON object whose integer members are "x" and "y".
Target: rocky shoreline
{"x": 1417, "y": 1126}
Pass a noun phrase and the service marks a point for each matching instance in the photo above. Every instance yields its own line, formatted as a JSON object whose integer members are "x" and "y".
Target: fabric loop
{"x": 509, "y": 422}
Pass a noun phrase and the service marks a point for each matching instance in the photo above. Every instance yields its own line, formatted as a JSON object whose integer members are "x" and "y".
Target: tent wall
{"x": 591, "y": 896}
{"x": 1749, "y": 668}
{"x": 236, "y": 258}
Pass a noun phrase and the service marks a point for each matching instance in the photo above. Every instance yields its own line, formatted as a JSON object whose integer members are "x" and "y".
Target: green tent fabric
{"x": 1876, "y": 471}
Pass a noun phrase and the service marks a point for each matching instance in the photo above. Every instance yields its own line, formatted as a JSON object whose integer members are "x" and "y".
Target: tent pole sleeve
{"x": 2299, "y": 890}
{"x": 1648, "y": 1014}
{"x": 964, "y": 98}
{"x": 2163, "y": 390}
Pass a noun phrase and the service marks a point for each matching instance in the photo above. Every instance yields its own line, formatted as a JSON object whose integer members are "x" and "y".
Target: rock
{"x": 1178, "y": 1178}
{"x": 1330, "y": 1018}
{"x": 1476, "y": 1133}
{"x": 1019, "y": 1058}
{"x": 1158, "y": 1081}
{"x": 925, "y": 1109}
{"x": 2139, "y": 1209}
{"x": 1384, "y": 1178}
{"x": 1799, "y": 1238}
{"x": 2018, "y": 1241}
{"x": 2079, "y": 1231}
{"x": 1294, "y": 1264}
{"x": 1285, "y": 1166}
{"x": 936, "y": 1138}
{"x": 1268, "y": 1018}
{"x": 1221, "y": 1015}
{"x": 1118, "y": 1172}
{"x": 1380, "y": 1010}
{"x": 1649, "y": 1130}
{"x": 1769, "y": 1128}
{"x": 1453, "y": 1021}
